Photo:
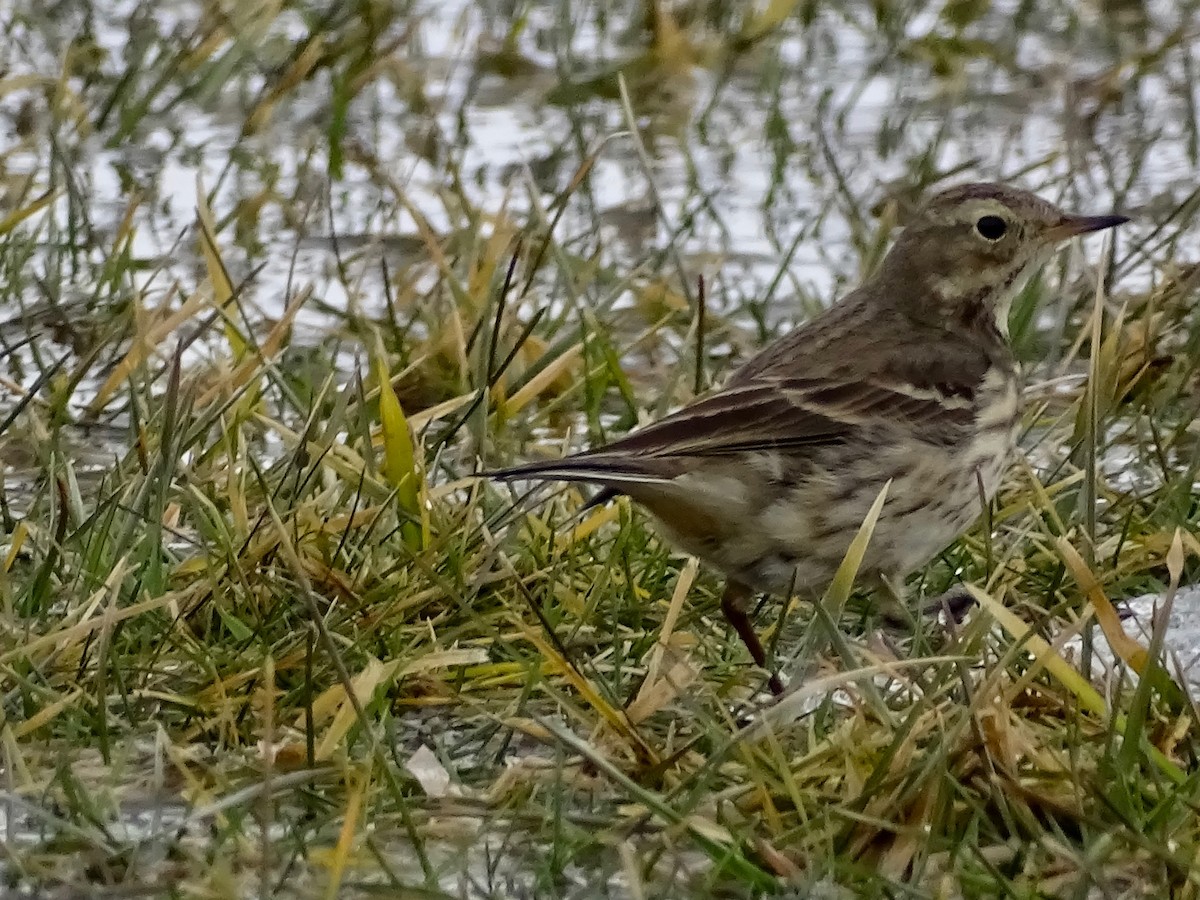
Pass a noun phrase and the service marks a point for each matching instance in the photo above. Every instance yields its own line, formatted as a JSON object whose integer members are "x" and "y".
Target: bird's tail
{"x": 616, "y": 474}
{"x": 597, "y": 469}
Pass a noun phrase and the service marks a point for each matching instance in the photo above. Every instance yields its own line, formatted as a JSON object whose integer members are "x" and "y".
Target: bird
{"x": 910, "y": 379}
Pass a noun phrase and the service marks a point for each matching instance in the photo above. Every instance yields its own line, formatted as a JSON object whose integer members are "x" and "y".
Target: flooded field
{"x": 276, "y": 278}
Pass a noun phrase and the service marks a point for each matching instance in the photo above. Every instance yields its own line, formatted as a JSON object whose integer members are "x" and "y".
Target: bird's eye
{"x": 991, "y": 227}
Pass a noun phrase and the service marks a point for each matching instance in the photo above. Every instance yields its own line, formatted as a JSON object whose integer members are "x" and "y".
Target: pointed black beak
{"x": 1071, "y": 226}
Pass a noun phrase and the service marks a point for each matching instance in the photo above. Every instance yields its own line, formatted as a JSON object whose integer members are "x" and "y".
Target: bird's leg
{"x": 735, "y": 604}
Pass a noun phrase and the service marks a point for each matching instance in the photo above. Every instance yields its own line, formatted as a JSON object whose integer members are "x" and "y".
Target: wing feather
{"x": 779, "y": 414}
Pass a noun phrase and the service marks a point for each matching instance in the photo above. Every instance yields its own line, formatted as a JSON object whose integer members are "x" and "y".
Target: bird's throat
{"x": 980, "y": 306}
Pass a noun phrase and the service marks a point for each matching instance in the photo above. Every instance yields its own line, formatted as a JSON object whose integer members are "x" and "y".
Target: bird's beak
{"x": 1073, "y": 225}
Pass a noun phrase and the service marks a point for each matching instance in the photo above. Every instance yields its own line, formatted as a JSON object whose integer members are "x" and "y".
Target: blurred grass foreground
{"x": 276, "y": 278}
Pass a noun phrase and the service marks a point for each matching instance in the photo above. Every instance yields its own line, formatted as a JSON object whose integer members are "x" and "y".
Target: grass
{"x": 274, "y": 285}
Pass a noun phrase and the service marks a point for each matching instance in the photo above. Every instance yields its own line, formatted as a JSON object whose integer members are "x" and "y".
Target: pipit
{"x": 909, "y": 379}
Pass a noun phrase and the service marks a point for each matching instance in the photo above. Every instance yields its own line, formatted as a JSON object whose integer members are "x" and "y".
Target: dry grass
{"x": 265, "y": 634}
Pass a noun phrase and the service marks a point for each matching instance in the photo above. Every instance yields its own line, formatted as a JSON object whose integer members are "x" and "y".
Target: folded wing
{"x": 794, "y": 415}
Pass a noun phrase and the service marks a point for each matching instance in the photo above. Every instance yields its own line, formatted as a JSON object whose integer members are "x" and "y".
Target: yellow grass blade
{"x": 1133, "y": 653}
{"x": 345, "y": 843}
{"x": 659, "y": 689}
{"x": 251, "y": 366}
{"x": 1046, "y": 655}
{"x": 152, "y": 331}
{"x": 843, "y": 580}
{"x": 594, "y": 522}
{"x": 17, "y": 216}
{"x": 399, "y": 458}
{"x": 16, "y": 769}
{"x": 333, "y": 700}
{"x": 45, "y": 715}
{"x": 72, "y": 634}
{"x": 366, "y": 683}
{"x": 615, "y": 717}
{"x": 759, "y": 25}
{"x": 292, "y": 76}
{"x": 340, "y": 459}
{"x": 218, "y": 275}
{"x": 541, "y": 381}
{"x": 20, "y": 533}
{"x": 448, "y": 407}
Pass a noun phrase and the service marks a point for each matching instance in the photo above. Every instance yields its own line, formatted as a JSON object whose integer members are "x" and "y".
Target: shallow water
{"x": 759, "y": 175}
{"x": 761, "y": 171}
{"x": 790, "y": 144}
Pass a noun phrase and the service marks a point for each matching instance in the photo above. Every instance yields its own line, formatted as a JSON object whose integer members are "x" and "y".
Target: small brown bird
{"x": 910, "y": 378}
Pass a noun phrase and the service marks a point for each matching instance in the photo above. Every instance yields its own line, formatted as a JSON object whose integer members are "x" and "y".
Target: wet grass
{"x": 273, "y": 285}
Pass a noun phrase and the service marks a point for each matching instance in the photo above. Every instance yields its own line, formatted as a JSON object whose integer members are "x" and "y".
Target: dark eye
{"x": 991, "y": 227}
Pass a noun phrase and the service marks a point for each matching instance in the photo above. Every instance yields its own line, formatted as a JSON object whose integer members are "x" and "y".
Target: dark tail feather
{"x": 563, "y": 470}
{"x": 597, "y": 468}
{"x": 612, "y": 474}
{"x": 559, "y": 470}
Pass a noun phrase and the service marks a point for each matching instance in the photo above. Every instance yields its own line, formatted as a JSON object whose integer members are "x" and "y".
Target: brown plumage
{"x": 909, "y": 378}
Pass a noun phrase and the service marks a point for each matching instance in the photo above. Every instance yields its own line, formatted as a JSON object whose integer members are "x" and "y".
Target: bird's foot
{"x": 955, "y": 603}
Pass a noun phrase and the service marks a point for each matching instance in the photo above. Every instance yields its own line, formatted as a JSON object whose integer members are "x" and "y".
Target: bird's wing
{"x": 790, "y": 413}
{"x": 764, "y": 414}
